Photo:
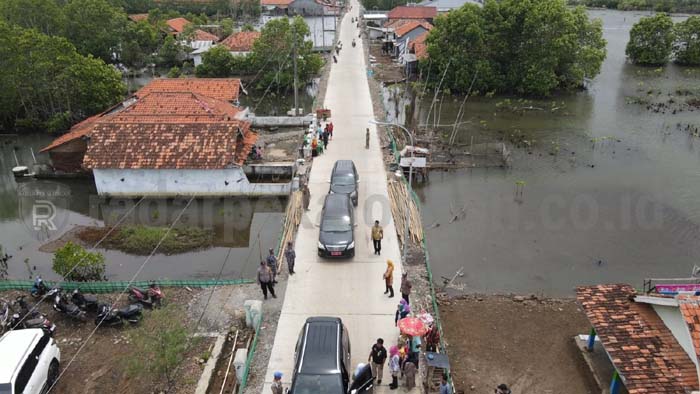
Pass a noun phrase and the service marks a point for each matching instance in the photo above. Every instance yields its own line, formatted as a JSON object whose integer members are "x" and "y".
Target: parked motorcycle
{"x": 24, "y": 316}
{"x": 115, "y": 317}
{"x": 61, "y": 304}
{"x": 86, "y": 302}
{"x": 150, "y": 298}
{"x": 38, "y": 321}
{"x": 5, "y": 315}
{"x": 39, "y": 288}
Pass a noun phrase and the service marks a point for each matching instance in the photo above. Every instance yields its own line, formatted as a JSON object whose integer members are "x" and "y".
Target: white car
{"x": 29, "y": 362}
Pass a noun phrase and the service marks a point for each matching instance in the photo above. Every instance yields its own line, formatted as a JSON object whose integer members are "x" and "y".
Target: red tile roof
{"x": 201, "y": 35}
{"x": 410, "y": 26}
{"x": 690, "y": 309}
{"x": 226, "y": 89}
{"x": 412, "y": 12}
{"x": 396, "y": 23}
{"x": 641, "y": 347}
{"x": 241, "y": 41}
{"x": 169, "y": 145}
{"x": 164, "y": 107}
{"x": 419, "y": 47}
{"x": 278, "y": 3}
{"x": 138, "y": 17}
{"x": 181, "y": 104}
{"x": 177, "y": 24}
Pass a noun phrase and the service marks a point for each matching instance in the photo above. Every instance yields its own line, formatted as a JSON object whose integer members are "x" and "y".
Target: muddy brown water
{"x": 611, "y": 187}
{"x": 243, "y": 228}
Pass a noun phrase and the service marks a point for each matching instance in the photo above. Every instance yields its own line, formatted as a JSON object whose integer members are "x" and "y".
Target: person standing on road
{"x": 402, "y": 310}
{"x": 265, "y": 279}
{"x": 367, "y": 139}
{"x": 502, "y": 389}
{"x": 394, "y": 367}
{"x": 277, "y": 384}
{"x": 409, "y": 371}
{"x": 406, "y": 286}
{"x": 325, "y": 138}
{"x": 305, "y": 196}
{"x": 330, "y": 129}
{"x": 377, "y": 235}
{"x": 389, "y": 278}
{"x": 290, "y": 255}
{"x": 272, "y": 263}
{"x": 445, "y": 387}
{"x": 377, "y": 357}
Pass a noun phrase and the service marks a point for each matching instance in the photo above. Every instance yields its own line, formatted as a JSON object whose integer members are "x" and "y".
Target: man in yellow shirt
{"x": 377, "y": 235}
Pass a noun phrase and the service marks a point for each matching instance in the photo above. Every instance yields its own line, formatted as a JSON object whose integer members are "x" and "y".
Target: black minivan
{"x": 337, "y": 235}
{"x": 322, "y": 359}
{"x": 344, "y": 179}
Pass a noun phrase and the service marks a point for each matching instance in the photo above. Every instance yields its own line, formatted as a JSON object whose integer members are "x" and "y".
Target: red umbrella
{"x": 413, "y": 326}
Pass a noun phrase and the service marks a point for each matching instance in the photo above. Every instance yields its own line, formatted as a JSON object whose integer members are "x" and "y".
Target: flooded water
{"x": 610, "y": 186}
{"x": 243, "y": 229}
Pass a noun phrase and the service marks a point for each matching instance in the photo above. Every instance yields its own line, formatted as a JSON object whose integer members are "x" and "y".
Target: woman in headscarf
{"x": 389, "y": 278}
{"x": 402, "y": 311}
{"x": 394, "y": 367}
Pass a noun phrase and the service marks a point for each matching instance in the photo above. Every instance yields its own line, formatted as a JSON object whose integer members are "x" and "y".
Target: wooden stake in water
{"x": 519, "y": 188}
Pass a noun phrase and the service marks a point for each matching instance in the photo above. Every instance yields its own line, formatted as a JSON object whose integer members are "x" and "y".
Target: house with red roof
{"x": 240, "y": 43}
{"x": 275, "y": 7}
{"x": 418, "y": 46}
{"x": 173, "y": 137}
{"x": 176, "y": 26}
{"x": 651, "y": 338}
{"x": 413, "y": 12}
{"x": 162, "y": 99}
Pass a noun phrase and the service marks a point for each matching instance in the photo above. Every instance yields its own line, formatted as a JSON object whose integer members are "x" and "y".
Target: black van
{"x": 344, "y": 179}
{"x": 322, "y": 358}
{"x": 337, "y": 235}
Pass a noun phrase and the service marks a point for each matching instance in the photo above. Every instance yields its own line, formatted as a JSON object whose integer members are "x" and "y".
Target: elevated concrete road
{"x": 350, "y": 289}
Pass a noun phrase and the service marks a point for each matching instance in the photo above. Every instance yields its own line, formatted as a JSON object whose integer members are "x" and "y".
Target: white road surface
{"x": 349, "y": 289}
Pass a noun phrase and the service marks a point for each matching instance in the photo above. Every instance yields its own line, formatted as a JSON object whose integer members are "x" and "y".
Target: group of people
{"x": 319, "y": 138}
{"x": 267, "y": 272}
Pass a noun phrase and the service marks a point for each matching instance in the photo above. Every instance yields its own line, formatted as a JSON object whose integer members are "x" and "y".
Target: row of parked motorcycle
{"x": 18, "y": 314}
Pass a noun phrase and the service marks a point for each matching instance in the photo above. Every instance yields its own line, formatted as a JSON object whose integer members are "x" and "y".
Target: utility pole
{"x": 294, "y": 61}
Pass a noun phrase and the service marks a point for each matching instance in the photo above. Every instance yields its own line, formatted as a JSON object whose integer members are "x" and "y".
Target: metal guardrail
{"x": 110, "y": 287}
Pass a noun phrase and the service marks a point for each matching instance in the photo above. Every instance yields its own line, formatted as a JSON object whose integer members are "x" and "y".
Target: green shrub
{"x": 74, "y": 263}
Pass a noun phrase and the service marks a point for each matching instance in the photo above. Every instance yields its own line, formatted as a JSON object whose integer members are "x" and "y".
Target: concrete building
{"x": 408, "y": 32}
{"x": 200, "y": 43}
{"x": 445, "y": 6}
{"x": 275, "y": 7}
{"x": 174, "y": 159}
{"x": 313, "y": 8}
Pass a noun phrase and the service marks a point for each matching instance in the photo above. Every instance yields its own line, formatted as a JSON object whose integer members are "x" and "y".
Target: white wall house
{"x": 179, "y": 182}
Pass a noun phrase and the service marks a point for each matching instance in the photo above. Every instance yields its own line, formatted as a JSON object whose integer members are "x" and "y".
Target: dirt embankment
{"x": 524, "y": 342}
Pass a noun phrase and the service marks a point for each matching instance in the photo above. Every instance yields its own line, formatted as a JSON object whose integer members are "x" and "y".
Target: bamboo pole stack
{"x": 292, "y": 220}
{"x": 398, "y": 196}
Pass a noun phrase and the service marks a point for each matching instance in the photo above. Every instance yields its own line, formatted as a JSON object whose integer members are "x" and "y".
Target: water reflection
{"x": 616, "y": 201}
{"x": 247, "y": 227}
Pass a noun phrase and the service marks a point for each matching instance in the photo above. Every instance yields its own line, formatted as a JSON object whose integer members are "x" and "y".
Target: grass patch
{"x": 140, "y": 240}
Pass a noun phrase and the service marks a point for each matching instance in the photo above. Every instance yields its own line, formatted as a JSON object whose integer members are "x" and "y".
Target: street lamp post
{"x": 410, "y": 179}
